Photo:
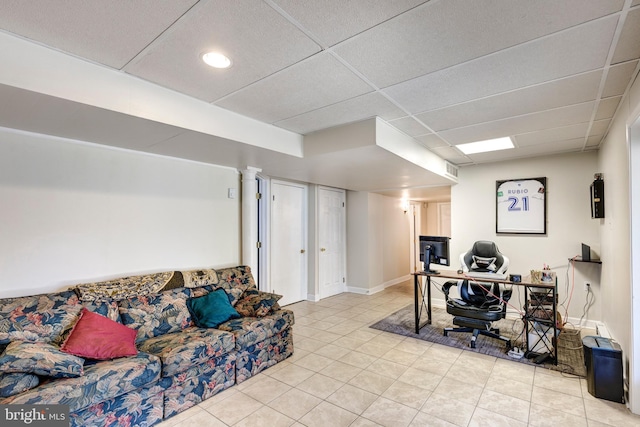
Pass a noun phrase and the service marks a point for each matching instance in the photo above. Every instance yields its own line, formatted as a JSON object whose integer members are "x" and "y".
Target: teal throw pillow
{"x": 211, "y": 310}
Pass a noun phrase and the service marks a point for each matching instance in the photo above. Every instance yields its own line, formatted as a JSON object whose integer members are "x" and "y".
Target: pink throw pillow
{"x": 98, "y": 337}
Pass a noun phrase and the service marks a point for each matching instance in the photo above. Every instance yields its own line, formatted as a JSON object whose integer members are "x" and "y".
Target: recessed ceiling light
{"x": 216, "y": 60}
{"x": 485, "y": 146}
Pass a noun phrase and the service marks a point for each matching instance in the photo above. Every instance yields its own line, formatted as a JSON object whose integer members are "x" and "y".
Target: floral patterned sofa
{"x": 137, "y": 350}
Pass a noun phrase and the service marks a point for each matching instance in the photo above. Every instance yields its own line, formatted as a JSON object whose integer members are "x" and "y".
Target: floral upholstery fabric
{"x": 41, "y": 359}
{"x": 255, "y": 303}
{"x": 142, "y": 407}
{"x": 124, "y": 287}
{"x": 198, "y": 383}
{"x": 155, "y": 315}
{"x": 15, "y": 383}
{"x": 199, "y": 278}
{"x": 258, "y": 357}
{"x": 193, "y": 346}
{"x": 235, "y": 281}
{"x": 251, "y": 330}
{"x": 101, "y": 381}
{"x": 38, "y": 318}
{"x": 178, "y": 365}
{"x": 108, "y": 309}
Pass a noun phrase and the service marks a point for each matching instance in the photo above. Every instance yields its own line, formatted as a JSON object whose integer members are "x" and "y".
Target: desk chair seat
{"x": 479, "y": 303}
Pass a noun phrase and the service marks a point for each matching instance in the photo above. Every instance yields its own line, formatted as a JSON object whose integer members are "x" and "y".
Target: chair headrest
{"x": 485, "y": 248}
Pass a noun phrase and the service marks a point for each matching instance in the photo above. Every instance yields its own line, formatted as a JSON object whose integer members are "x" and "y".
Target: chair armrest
{"x": 447, "y": 286}
{"x": 506, "y": 294}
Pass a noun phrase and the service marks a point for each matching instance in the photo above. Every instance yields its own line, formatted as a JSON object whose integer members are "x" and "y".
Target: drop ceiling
{"x": 550, "y": 74}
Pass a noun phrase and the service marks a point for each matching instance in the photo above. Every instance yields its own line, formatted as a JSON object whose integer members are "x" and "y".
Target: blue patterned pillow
{"x": 16, "y": 383}
{"x": 41, "y": 359}
{"x": 39, "y": 317}
{"x": 256, "y": 303}
{"x": 211, "y": 310}
{"x": 155, "y": 315}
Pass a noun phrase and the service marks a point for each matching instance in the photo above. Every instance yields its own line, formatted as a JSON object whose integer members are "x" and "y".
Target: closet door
{"x": 288, "y": 241}
{"x": 332, "y": 241}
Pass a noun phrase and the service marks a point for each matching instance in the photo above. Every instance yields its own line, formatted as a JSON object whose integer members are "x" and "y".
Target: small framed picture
{"x": 521, "y": 206}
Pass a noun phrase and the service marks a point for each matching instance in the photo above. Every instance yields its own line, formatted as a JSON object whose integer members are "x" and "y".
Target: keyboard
{"x": 486, "y": 275}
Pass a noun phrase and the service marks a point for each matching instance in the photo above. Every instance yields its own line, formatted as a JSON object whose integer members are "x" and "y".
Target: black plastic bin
{"x": 603, "y": 359}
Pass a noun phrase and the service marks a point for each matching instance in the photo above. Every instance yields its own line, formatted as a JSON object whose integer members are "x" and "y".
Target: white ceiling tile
{"x": 628, "y": 46}
{"x": 314, "y": 83}
{"x": 440, "y": 34}
{"x": 352, "y": 110}
{"x": 600, "y": 127}
{"x": 258, "y": 40}
{"x": 618, "y": 78}
{"x": 546, "y": 136}
{"x": 553, "y": 57}
{"x": 410, "y": 126}
{"x": 607, "y": 107}
{"x": 522, "y": 124}
{"x": 570, "y": 90}
{"x": 594, "y": 141}
{"x": 332, "y": 21}
{"x": 111, "y": 33}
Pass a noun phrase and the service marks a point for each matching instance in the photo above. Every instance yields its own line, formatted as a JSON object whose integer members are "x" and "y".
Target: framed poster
{"x": 521, "y": 206}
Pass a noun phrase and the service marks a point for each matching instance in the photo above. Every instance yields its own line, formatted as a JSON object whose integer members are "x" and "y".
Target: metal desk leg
{"x": 419, "y": 300}
{"x": 416, "y": 297}
{"x": 429, "y": 300}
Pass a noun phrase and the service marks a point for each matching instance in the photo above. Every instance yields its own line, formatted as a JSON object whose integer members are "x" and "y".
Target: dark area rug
{"x": 570, "y": 352}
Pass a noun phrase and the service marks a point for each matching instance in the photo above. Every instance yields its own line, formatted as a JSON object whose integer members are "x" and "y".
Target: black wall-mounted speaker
{"x": 597, "y": 198}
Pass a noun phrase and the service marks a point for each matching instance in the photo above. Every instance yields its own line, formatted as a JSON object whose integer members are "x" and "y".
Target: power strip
{"x": 515, "y": 353}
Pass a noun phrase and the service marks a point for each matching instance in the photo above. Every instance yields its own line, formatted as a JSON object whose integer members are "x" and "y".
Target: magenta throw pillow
{"x": 97, "y": 337}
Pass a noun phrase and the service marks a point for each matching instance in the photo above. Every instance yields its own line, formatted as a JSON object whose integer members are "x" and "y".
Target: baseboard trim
{"x": 379, "y": 288}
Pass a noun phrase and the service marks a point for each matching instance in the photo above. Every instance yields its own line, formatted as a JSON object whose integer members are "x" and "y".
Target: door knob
{"x": 302, "y": 251}
{"x": 322, "y": 249}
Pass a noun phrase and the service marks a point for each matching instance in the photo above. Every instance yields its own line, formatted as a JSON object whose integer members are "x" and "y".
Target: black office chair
{"x": 480, "y": 303}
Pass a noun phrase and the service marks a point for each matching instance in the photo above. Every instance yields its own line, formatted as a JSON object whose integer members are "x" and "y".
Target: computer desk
{"x": 540, "y": 294}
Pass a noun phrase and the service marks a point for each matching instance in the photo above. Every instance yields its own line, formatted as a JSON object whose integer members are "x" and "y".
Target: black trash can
{"x": 603, "y": 359}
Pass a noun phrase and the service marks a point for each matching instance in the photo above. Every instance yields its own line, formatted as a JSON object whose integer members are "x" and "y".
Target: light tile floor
{"x": 345, "y": 374}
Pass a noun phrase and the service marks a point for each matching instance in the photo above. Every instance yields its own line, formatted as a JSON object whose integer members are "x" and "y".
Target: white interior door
{"x": 332, "y": 241}
{"x": 444, "y": 219}
{"x": 288, "y": 243}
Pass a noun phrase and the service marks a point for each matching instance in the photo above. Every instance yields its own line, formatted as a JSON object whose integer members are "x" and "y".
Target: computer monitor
{"x": 434, "y": 249}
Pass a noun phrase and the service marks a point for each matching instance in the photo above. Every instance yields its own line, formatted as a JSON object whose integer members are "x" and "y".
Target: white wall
{"x": 569, "y": 222}
{"x": 620, "y": 307}
{"x": 74, "y": 212}
{"x": 377, "y": 242}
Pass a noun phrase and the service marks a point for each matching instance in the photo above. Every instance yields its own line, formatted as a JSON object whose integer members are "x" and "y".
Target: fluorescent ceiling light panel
{"x": 485, "y": 146}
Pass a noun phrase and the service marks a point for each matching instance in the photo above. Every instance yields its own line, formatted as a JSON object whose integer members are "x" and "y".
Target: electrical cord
{"x": 587, "y": 304}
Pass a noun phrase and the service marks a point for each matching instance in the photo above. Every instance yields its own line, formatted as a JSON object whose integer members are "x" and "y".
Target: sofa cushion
{"x": 17, "y": 382}
{"x": 98, "y": 337}
{"x": 210, "y": 310}
{"x": 235, "y": 281}
{"x": 255, "y": 303}
{"x": 251, "y": 330}
{"x": 41, "y": 359}
{"x": 39, "y": 317}
{"x": 193, "y": 346}
{"x": 154, "y": 315}
{"x": 101, "y": 381}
